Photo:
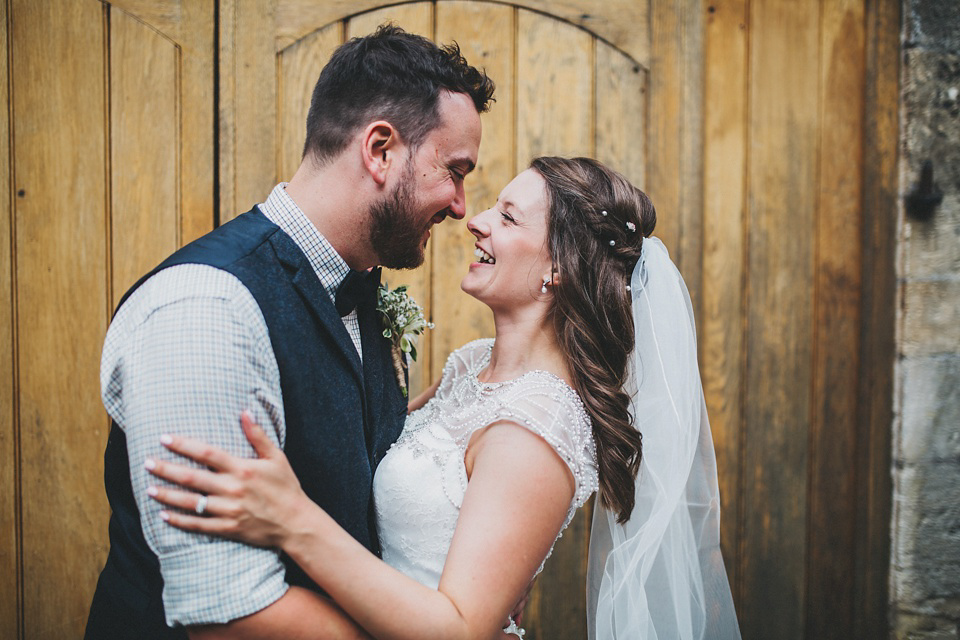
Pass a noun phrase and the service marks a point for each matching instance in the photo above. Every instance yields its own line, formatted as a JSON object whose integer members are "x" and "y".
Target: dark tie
{"x": 355, "y": 288}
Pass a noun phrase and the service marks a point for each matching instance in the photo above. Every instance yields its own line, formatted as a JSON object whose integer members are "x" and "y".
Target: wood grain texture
{"x": 166, "y": 16}
{"x": 10, "y": 605}
{"x": 555, "y": 98}
{"x": 415, "y": 18}
{"x": 144, "y": 149}
{"x": 554, "y": 89}
{"x": 249, "y": 153}
{"x": 722, "y": 332}
{"x": 486, "y": 36}
{"x": 831, "y": 530}
{"x": 197, "y": 85}
{"x": 675, "y": 161}
{"x": 298, "y": 68}
{"x": 784, "y": 135}
{"x": 59, "y": 77}
{"x": 620, "y": 104}
{"x": 623, "y": 23}
{"x": 877, "y": 347}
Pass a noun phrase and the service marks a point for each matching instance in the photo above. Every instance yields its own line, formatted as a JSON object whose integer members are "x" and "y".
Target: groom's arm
{"x": 299, "y": 614}
{"x": 188, "y": 352}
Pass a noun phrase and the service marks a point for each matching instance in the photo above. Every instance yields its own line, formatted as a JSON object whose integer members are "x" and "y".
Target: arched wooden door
{"x": 764, "y": 131}
{"x": 561, "y": 90}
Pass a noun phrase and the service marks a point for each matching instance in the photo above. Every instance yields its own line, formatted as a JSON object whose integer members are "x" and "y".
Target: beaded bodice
{"x": 420, "y": 484}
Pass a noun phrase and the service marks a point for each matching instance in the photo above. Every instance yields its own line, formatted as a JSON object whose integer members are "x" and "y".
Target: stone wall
{"x": 925, "y": 559}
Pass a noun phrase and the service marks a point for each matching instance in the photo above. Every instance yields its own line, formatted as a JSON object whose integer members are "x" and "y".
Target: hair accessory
{"x": 543, "y": 289}
{"x": 629, "y": 289}
{"x": 613, "y": 243}
{"x": 632, "y": 227}
{"x": 603, "y": 213}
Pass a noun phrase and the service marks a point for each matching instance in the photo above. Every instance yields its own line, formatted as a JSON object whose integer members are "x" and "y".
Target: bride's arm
{"x": 515, "y": 504}
{"x": 423, "y": 398}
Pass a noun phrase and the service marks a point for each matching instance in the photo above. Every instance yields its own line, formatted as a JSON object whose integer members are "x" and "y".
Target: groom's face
{"x": 430, "y": 187}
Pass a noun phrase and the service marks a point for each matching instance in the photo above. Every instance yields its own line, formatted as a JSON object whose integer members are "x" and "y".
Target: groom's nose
{"x": 458, "y": 208}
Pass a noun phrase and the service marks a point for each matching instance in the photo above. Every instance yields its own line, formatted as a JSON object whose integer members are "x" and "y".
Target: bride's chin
{"x": 470, "y": 288}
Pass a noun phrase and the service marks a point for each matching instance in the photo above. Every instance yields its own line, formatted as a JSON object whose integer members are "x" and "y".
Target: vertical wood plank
{"x": 877, "y": 347}
{"x": 248, "y": 102}
{"x": 197, "y": 85}
{"x": 60, "y": 157}
{"x": 415, "y": 18}
{"x": 721, "y": 335}
{"x": 9, "y": 464}
{"x": 554, "y": 89}
{"x": 554, "y": 111}
{"x": 620, "y": 102}
{"x": 782, "y": 181}
{"x": 675, "y": 171}
{"x": 485, "y": 33}
{"x": 837, "y": 325}
{"x": 299, "y": 68}
{"x": 144, "y": 145}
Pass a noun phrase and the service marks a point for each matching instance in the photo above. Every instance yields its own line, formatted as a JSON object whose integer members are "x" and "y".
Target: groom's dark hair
{"x": 388, "y": 75}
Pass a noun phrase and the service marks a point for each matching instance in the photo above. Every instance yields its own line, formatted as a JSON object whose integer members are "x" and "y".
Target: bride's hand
{"x": 252, "y": 500}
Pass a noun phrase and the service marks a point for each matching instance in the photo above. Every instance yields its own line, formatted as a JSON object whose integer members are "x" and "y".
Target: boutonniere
{"x": 403, "y": 321}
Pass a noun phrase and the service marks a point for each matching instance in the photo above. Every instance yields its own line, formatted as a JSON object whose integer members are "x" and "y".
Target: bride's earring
{"x": 543, "y": 289}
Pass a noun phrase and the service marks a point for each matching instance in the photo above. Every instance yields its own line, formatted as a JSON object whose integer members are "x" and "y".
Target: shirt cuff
{"x": 211, "y": 585}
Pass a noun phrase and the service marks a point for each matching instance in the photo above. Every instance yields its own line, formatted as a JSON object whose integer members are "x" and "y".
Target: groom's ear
{"x": 380, "y": 146}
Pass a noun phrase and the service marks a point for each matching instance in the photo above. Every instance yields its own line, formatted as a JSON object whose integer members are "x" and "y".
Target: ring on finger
{"x": 201, "y": 507}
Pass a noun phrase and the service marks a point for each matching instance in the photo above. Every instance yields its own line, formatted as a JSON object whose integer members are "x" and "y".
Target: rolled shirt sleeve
{"x": 186, "y": 354}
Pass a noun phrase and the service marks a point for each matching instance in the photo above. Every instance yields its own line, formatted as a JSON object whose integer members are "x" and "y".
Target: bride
{"x": 590, "y": 385}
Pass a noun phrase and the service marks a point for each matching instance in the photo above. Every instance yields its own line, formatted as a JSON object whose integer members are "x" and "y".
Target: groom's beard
{"x": 396, "y": 230}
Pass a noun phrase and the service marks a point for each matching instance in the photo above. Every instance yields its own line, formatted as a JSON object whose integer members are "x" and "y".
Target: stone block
{"x": 933, "y": 24}
{"x": 931, "y": 317}
{"x": 926, "y": 537}
{"x": 931, "y": 106}
{"x": 912, "y": 626}
{"x": 929, "y": 410}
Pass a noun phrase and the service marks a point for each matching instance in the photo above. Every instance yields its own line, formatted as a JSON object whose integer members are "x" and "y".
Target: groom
{"x": 275, "y": 312}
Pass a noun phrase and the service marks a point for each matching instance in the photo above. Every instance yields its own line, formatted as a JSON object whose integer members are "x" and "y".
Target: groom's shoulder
{"x": 178, "y": 284}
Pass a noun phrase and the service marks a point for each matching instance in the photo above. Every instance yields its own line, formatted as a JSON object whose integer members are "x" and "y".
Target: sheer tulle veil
{"x": 660, "y": 575}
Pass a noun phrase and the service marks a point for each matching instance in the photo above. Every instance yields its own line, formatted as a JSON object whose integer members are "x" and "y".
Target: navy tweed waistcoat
{"x": 341, "y": 416}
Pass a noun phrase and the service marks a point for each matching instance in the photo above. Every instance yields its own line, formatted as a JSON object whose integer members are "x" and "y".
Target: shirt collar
{"x": 281, "y": 210}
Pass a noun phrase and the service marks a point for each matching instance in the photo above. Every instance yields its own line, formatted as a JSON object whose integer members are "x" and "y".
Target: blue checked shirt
{"x": 185, "y": 354}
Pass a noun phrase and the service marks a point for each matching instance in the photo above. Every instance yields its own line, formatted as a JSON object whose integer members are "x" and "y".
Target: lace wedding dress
{"x": 420, "y": 484}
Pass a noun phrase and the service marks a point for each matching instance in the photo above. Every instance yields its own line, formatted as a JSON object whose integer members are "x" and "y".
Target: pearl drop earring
{"x": 543, "y": 289}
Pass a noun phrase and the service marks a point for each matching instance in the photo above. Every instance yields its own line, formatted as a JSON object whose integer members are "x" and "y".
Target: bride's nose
{"x": 478, "y": 224}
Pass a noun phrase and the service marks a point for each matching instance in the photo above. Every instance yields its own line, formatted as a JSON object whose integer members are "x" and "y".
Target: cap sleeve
{"x": 545, "y": 405}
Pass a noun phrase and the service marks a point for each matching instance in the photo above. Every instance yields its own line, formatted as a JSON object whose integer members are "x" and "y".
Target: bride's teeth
{"x": 483, "y": 257}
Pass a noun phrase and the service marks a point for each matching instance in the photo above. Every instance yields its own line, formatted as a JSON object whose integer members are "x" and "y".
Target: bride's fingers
{"x": 201, "y": 452}
{"x": 256, "y": 436}
{"x": 189, "y": 501}
{"x": 190, "y": 477}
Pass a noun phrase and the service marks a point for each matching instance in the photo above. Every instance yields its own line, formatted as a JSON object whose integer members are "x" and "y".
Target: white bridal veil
{"x": 660, "y": 575}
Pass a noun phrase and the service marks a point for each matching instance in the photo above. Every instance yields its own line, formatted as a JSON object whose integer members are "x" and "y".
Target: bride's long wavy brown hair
{"x": 596, "y": 225}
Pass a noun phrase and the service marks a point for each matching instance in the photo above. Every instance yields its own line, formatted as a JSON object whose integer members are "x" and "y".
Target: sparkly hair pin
{"x": 632, "y": 227}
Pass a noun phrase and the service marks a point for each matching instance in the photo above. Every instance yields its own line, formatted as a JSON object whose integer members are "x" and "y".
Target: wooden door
{"x": 110, "y": 151}
{"x": 561, "y": 89}
{"x": 765, "y": 132}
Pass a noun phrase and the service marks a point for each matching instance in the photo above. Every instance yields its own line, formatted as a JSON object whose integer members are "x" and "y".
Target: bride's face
{"x": 512, "y": 256}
